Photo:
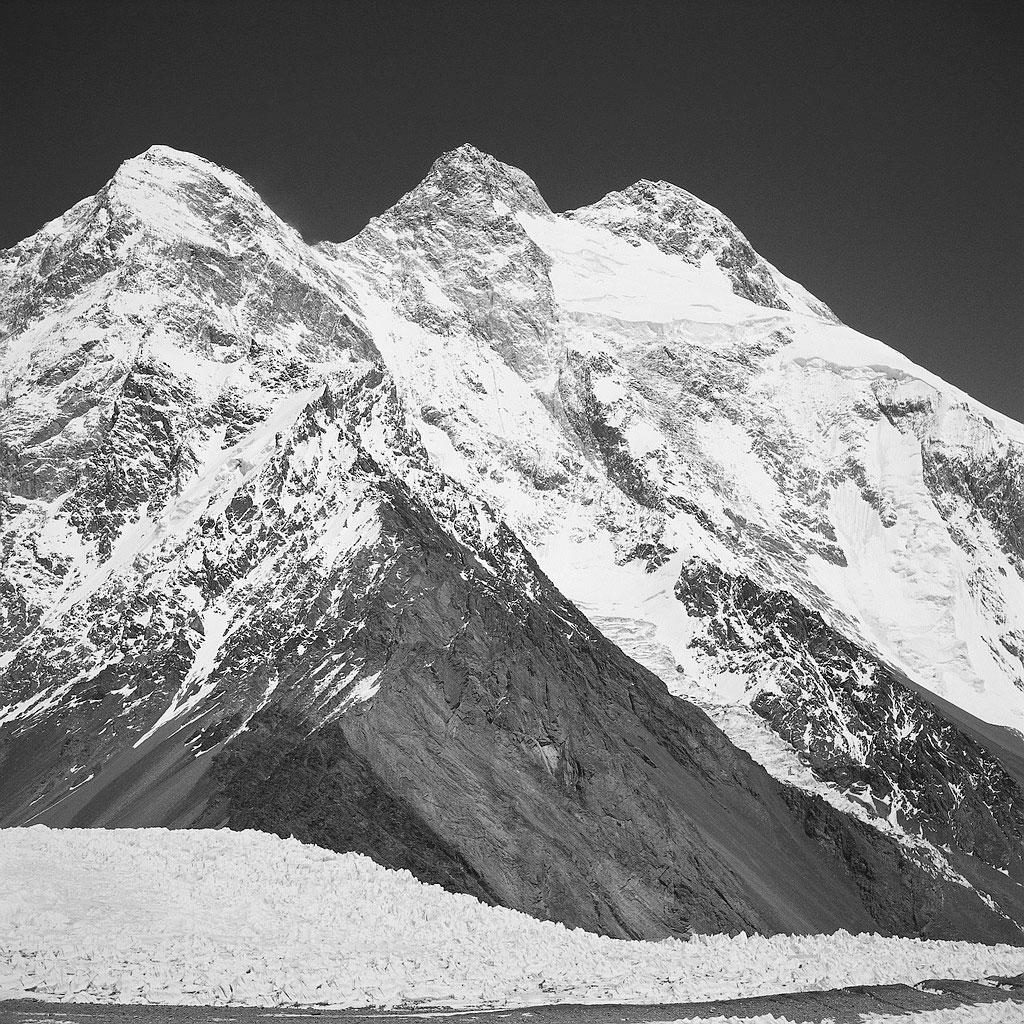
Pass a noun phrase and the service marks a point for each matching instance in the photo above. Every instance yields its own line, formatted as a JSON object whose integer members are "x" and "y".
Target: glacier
{"x": 245, "y": 919}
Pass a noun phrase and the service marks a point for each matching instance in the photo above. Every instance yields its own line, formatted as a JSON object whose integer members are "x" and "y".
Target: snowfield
{"x": 245, "y": 918}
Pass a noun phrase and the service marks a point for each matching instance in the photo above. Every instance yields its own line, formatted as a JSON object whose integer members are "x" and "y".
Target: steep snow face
{"x": 147, "y": 915}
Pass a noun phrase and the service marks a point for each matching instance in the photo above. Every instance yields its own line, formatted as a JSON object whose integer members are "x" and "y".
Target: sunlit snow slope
{"x": 347, "y": 541}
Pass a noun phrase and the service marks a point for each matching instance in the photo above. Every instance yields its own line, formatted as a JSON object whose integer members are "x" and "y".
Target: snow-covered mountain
{"x": 347, "y": 541}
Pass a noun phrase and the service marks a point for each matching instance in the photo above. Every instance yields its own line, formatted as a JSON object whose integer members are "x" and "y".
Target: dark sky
{"x": 873, "y": 151}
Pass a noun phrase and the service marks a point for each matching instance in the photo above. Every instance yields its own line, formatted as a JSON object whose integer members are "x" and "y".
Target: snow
{"x": 839, "y": 347}
{"x": 176, "y": 194}
{"x": 643, "y": 438}
{"x": 909, "y": 589}
{"x": 728, "y": 444}
{"x": 910, "y": 585}
{"x": 596, "y": 272}
{"x": 197, "y": 685}
{"x": 220, "y": 917}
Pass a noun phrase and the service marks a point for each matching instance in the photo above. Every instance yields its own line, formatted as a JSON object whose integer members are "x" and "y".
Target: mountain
{"x": 582, "y": 562}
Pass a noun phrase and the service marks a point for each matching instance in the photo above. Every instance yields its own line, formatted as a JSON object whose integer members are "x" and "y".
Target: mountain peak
{"x": 183, "y": 195}
{"x": 158, "y": 151}
{"x": 466, "y": 154}
{"x": 162, "y": 169}
{"x": 467, "y": 175}
{"x": 646, "y": 189}
{"x": 662, "y": 201}
{"x": 680, "y": 224}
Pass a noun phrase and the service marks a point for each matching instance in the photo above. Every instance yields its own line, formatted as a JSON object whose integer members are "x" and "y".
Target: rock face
{"x": 359, "y": 543}
{"x": 856, "y": 722}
